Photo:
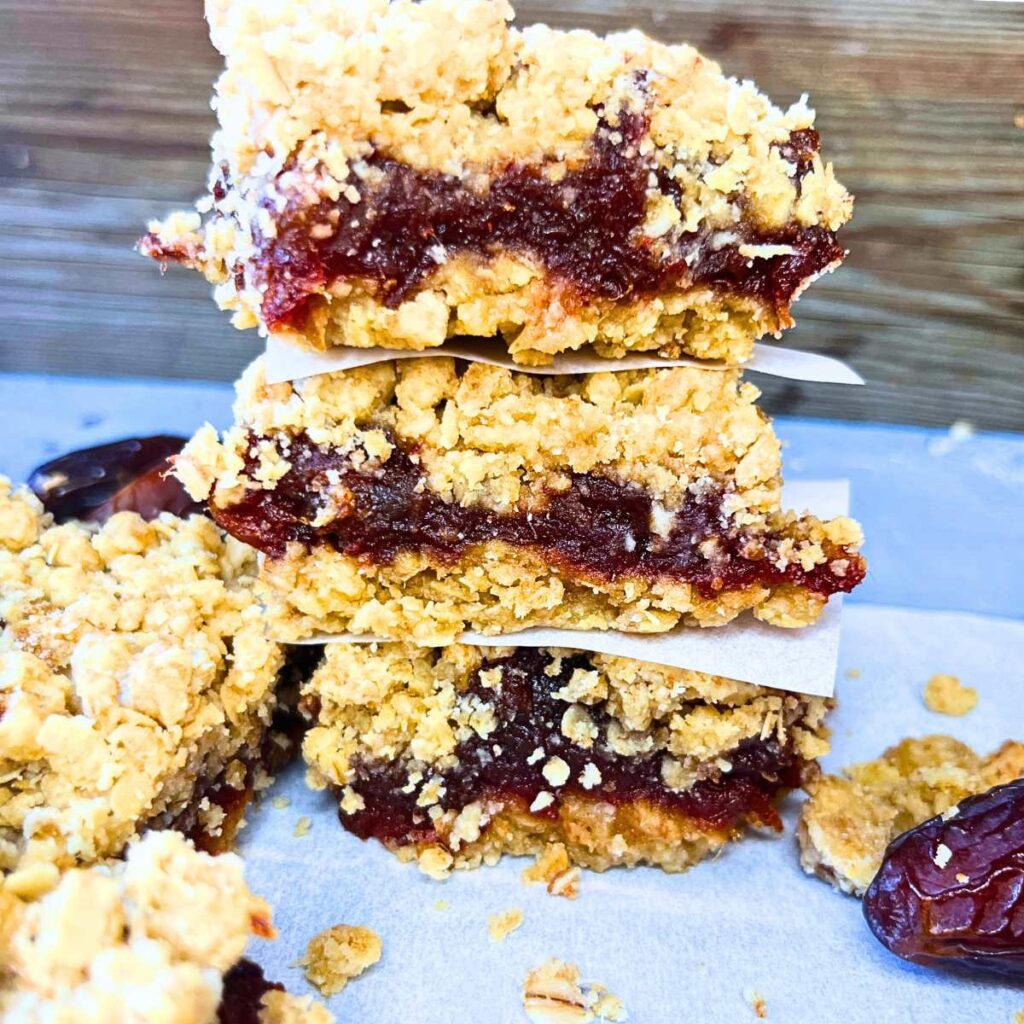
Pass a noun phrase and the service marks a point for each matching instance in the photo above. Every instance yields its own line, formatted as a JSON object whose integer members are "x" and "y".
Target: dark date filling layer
{"x": 244, "y": 989}
{"x": 597, "y": 528}
{"x": 585, "y": 227}
{"x": 529, "y": 716}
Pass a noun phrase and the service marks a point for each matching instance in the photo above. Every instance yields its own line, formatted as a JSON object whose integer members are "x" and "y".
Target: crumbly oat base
{"x": 410, "y": 710}
{"x": 486, "y": 437}
{"x": 147, "y": 939}
{"x": 133, "y": 668}
{"x": 850, "y": 819}
{"x": 313, "y": 92}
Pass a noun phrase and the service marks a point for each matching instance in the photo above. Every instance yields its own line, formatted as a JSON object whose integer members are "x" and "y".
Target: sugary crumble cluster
{"x": 850, "y": 819}
{"x": 155, "y": 934}
{"x": 133, "y": 668}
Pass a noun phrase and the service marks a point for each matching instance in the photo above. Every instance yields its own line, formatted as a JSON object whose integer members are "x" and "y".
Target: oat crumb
{"x": 852, "y": 673}
{"x": 503, "y": 924}
{"x": 281, "y": 802}
{"x": 1018, "y": 1017}
{"x": 441, "y": 905}
{"x": 758, "y": 1005}
{"x": 962, "y": 878}
{"x": 556, "y": 871}
{"x": 303, "y": 826}
{"x": 337, "y": 955}
{"x": 946, "y": 695}
{"x": 552, "y": 994}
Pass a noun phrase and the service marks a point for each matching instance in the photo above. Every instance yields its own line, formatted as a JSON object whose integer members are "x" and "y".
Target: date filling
{"x": 596, "y": 528}
{"x": 585, "y": 226}
{"x": 504, "y": 767}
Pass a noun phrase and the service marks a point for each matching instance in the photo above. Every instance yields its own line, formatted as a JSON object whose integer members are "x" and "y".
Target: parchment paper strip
{"x": 285, "y": 361}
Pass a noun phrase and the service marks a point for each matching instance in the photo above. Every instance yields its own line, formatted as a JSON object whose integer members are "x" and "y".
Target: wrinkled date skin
{"x": 122, "y": 476}
{"x": 970, "y": 912}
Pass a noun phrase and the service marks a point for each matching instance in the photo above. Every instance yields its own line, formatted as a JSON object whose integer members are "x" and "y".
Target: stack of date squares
{"x": 501, "y": 444}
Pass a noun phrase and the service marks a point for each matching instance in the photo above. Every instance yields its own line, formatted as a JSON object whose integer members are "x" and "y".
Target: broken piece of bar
{"x": 394, "y": 174}
{"x": 460, "y": 754}
{"x": 154, "y": 939}
{"x": 849, "y": 819}
{"x": 136, "y": 686}
{"x": 414, "y": 499}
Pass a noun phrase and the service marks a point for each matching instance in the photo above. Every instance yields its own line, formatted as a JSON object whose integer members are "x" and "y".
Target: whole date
{"x": 123, "y": 476}
{"x": 951, "y": 891}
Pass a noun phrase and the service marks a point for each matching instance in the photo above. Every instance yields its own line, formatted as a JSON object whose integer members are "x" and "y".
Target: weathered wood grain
{"x": 104, "y": 119}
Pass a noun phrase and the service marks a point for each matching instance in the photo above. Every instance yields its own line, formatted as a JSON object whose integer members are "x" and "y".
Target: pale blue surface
{"x": 942, "y": 517}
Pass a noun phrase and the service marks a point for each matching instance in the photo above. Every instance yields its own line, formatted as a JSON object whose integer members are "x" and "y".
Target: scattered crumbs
{"x": 337, "y": 955}
{"x": 757, "y": 1001}
{"x": 942, "y": 855}
{"x": 552, "y": 994}
{"x": 503, "y": 924}
{"x": 303, "y": 826}
{"x": 441, "y": 905}
{"x": 946, "y": 695}
{"x": 959, "y": 432}
{"x": 852, "y": 673}
{"x": 281, "y": 802}
{"x": 556, "y": 871}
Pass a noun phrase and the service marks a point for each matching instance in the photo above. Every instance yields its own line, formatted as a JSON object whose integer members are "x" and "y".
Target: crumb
{"x": 1018, "y": 120}
{"x": 280, "y": 802}
{"x": 541, "y": 801}
{"x": 1018, "y": 1017}
{"x": 503, "y": 924}
{"x": 436, "y": 863}
{"x": 942, "y": 855}
{"x": 946, "y": 695}
{"x": 757, "y": 1004}
{"x": 339, "y": 954}
{"x": 852, "y": 673}
{"x": 554, "y": 868}
{"x": 303, "y": 826}
{"x": 962, "y": 878}
{"x": 552, "y": 994}
{"x": 441, "y": 905}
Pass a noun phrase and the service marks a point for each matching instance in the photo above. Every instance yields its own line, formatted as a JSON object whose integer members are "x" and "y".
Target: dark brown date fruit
{"x": 951, "y": 892}
{"x": 93, "y": 483}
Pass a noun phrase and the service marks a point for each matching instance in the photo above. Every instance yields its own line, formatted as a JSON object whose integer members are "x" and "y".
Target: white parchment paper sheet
{"x": 803, "y": 660}
{"x": 285, "y": 361}
{"x": 682, "y": 949}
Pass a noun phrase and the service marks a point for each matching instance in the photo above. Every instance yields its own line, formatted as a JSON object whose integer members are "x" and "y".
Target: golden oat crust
{"x": 311, "y": 90}
{"x": 410, "y": 707}
{"x": 850, "y": 819}
{"x": 485, "y": 436}
{"x": 133, "y": 663}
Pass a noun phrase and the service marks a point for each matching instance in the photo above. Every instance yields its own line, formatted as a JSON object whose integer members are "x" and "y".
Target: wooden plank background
{"x": 104, "y": 119}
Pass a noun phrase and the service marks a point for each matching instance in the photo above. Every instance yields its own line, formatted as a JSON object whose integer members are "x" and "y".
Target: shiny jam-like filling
{"x": 596, "y": 528}
{"x": 584, "y": 226}
{"x": 242, "y": 998}
{"x": 529, "y": 717}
